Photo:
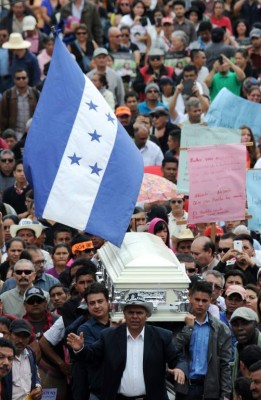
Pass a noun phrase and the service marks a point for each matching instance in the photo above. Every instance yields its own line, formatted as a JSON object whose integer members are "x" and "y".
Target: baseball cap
{"x": 255, "y": 33}
{"x": 236, "y": 289}
{"x": 99, "y": 51}
{"x": 152, "y": 86}
{"x": 34, "y": 292}
{"x": 29, "y": 23}
{"x": 245, "y": 313}
{"x": 123, "y": 110}
{"x": 21, "y": 325}
{"x": 159, "y": 110}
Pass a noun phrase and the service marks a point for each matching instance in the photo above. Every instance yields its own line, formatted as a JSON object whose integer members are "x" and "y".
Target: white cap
{"x": 29, "y": 23}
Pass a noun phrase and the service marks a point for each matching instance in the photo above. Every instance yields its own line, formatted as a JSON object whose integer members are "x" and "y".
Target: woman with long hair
{"x": 252, "y": 151}
{"x": 82, "y": 48}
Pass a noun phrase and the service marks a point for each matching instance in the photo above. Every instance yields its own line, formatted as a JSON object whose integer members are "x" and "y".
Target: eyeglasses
{"x": 39, "y": 262}
{"x": 35, "y": 300}
{"x": 176, "y": 201}
{"x": 155, "y": 58}
{"x": 18, "y": 78}
{"x": 224, "y": 250}
{"x": 23, "y": 271}
{"x": 7, "y": 160}
{"x": 191, "y": 270}
{"x": 125, "y": 35}
{"x": 81, "y": 33}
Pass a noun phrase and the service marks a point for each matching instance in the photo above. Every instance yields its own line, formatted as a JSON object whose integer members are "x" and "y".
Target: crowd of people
{"x": 159, "y": 65}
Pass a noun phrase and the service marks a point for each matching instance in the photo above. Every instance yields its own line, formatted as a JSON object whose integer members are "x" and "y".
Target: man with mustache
{"x": 13, "y": 300}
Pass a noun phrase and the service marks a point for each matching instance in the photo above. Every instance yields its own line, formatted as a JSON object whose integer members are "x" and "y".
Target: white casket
{"x": 144, "y": 266}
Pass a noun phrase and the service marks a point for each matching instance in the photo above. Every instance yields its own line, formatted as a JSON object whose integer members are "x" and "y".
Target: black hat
{"x": 21, "y": 325}
{"x": 34, "y": 292}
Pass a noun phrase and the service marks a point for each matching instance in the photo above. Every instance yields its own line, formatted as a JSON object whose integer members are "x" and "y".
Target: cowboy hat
{"x": 16, "y": 42}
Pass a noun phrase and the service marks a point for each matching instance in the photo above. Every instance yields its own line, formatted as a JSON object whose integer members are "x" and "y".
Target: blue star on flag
{"x": 110, "y": 119}
{"x": 92, "y": 106}
{"x": 95, "y": 169}
{"x": 95, "y": 136}
{"x": 74, "y": 159}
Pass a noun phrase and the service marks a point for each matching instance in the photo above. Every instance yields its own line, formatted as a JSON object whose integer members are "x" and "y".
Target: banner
{"x": 253, "y": 186}
{"x": 231, "y": 111}
{"x": 217, "y": 182}
{"x": 199, "y": 135}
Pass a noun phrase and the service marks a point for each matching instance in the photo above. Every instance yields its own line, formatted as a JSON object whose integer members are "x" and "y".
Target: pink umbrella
{"x": 156, "y": 188}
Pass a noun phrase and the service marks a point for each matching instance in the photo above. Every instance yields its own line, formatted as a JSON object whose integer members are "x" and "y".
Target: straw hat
{"x": 16, "y": 42}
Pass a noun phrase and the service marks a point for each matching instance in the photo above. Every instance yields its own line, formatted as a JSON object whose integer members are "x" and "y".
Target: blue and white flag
{"x": 85, "y": 170}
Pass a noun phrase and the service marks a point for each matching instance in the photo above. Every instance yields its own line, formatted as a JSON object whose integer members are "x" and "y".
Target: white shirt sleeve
{"x": 56, "y": 333}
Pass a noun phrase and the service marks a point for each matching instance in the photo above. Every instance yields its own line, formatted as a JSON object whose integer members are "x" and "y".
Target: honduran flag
{"x": 84, "y": 168}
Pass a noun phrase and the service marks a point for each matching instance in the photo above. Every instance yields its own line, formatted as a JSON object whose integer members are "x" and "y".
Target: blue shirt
{"x": 223, "y": 318}
{"x": 4, "y": 62}
{"x": 198, "y": 349}
{"x": 144, "y": 109}
{"x": 91, "y": 330}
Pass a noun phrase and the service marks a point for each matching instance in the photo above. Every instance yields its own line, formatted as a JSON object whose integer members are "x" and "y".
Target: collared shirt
{"x": 174, "y": 229}
{"x": 22, "y": 376}
{"x": 92, "y": 330}
{"x": 187, "y": 27}
{"x": 132, "y": 381}
{"x": 34, "y": 40}
{"x": 13, "y": 302}
{"x": 198, "y": 349}
{"x": 23, "y": 111}
{"x": 17, "y": 26}
{"x": 77, "y": 11}
{"x": 151, "y": 154}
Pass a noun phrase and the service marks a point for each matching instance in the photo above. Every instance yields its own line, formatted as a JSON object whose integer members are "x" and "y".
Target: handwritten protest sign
{"x": 199, "y": 135}
{"x": 217, "y": 181}
{"x": 230, "y": 111}
{"x": 253, "y": 186}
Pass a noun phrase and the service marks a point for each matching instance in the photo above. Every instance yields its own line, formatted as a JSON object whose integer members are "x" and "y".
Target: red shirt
{"x": 224, "y": 21}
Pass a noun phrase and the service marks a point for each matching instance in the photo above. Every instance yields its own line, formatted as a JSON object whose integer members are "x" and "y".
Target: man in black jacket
{"x": 134, "y": 356}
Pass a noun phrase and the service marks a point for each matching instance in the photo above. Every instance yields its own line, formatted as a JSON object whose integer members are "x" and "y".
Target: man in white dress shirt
{"x": 134, "y": 356}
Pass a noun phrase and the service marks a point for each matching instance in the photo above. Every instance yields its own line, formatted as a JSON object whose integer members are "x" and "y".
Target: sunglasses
{"x": 152, "y": 91}
{"x": 155, "y": 58}
{"x": 176, "y": 201}
{"x": 88, "y": 251}
{"x": 23, "y": 271}
{"x": 191, "y": 270}
{"x": 157, "y": 115}
{"x": 224, "y": 250}
{"x": 35, "y": 300}
{"x": 7, "y": 160}
{"x": 125, "y": 4}
{"x": 19, "y": 78}
{"x": 81, "y": 33}
{"x": 125, "y": 35}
